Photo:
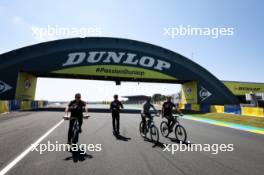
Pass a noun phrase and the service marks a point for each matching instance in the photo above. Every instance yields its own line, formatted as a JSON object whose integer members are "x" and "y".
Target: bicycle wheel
{"x": 164, "y": 129}
{"x": 75, "y": 137}
{"x": 154, "y": 134}
{"x": 141, "y": 131}
{"x": 180, "y": 133}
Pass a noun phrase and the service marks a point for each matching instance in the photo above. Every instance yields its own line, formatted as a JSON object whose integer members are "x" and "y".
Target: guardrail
{"x": 16, "y": 105}
{"x": 231, "y": 109}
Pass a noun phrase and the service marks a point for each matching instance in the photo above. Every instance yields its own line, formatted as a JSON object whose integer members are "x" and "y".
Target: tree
{"x": 158, "y": 97}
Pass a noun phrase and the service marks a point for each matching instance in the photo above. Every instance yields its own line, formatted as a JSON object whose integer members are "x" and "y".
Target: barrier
{"x": 181, "y": 106}
{"x": 4, "y": 106}
{"x": 25, "y": 105}
{"x": 252, "y": 111}
{"x": 233, "y": 109}
{"x": 187, "y": 107}
{"x": 34, "y": 105}
{"x": 204, "y": 108}
{"x": 217, "y": 109}
{"x": 195, "y": 107}
{"x": 40, "y": 104}
{"x": 45, "y": 103}
{"x": 16, "y": 105}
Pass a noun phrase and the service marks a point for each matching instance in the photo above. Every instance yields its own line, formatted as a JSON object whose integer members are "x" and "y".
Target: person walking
{"x": 115, "y": 109}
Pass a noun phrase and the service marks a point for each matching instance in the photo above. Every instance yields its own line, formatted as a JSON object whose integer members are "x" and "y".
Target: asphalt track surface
{"x": 118, "y": 157}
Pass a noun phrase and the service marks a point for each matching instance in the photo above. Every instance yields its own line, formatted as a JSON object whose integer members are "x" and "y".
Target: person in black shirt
{"x": 167, "y": 108}
{"x": 146, "y": 112}
{"x": 76, "y": 108}
{"x": 115, "y": 109}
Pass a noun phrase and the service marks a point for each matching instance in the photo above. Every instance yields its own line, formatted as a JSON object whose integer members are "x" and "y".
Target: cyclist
{"x": 167, "y": 108}
{"x": 76, "y": 108}
{"x": 115, "y": 109}
{"x": 145, "y": 112}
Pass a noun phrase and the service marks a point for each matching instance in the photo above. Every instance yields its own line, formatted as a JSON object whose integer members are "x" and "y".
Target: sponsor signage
{"x": 95, "y": 57}
{"x": 27, "y": 84}
{"x": 115, "y": 64}
{"x": 204, "y": 94}
{"x": 189, "y": 93}
{"x": 242, "y": 88}
{"x": 4, "y": 87}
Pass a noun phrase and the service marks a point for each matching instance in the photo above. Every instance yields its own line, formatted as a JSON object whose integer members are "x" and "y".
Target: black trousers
{"x": 71, "y": 123}
{"x": 171, "y": 122}
{"x": 144, "y": 119}
{"x": 116, "y": 121}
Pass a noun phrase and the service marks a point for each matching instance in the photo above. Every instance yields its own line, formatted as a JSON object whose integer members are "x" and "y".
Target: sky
{"x": 236, "y": 57}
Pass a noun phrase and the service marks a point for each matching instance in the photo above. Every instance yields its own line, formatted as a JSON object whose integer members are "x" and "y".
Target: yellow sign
{"x": 241, "y": 88}
{"x": 189, "y": 93}
{"x": 3, "y": 106}
{"x": 26, "y": 86}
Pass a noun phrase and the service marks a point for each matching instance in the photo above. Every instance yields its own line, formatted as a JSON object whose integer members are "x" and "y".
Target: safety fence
{"x": 16, "y": 105}
{"x": 231, "y": 109}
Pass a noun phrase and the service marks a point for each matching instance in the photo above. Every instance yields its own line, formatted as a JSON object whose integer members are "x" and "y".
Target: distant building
{"x": 135, "y": 99}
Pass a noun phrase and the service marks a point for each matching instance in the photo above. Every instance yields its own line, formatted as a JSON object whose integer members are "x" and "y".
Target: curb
{"x": 227, "y": 124}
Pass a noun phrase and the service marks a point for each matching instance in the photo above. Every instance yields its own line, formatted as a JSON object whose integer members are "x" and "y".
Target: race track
{"x": 132, "y": 156}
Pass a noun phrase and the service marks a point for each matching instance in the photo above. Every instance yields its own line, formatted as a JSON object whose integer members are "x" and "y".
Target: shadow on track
{"x": 78, "y": 156}
{"x": 177, "y": 141}
{"x": 122, "y": 138}
{"x": 158, "y": 144}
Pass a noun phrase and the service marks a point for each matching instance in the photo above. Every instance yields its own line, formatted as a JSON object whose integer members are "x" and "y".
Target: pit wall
{"x": 16, "y": 105}
{"x": 231, "y": 109}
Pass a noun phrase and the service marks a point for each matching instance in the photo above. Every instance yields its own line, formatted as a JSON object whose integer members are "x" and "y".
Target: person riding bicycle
{"x": 145, "y": 112}
{"x": 167, "y": 108}
{"x": 76, "y": 108}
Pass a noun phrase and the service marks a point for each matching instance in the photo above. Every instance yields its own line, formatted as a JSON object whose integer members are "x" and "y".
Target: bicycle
{"x": 75, "y": 129}
{"x": 179, "y": 130}
{"x": 150, "y": 128}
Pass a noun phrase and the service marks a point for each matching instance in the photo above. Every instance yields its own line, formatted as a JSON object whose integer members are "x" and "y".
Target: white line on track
{"x": 23, "y": 154}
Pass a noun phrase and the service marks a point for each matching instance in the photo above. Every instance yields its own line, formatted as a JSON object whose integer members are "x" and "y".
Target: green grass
{"x": 238, "y": 119}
